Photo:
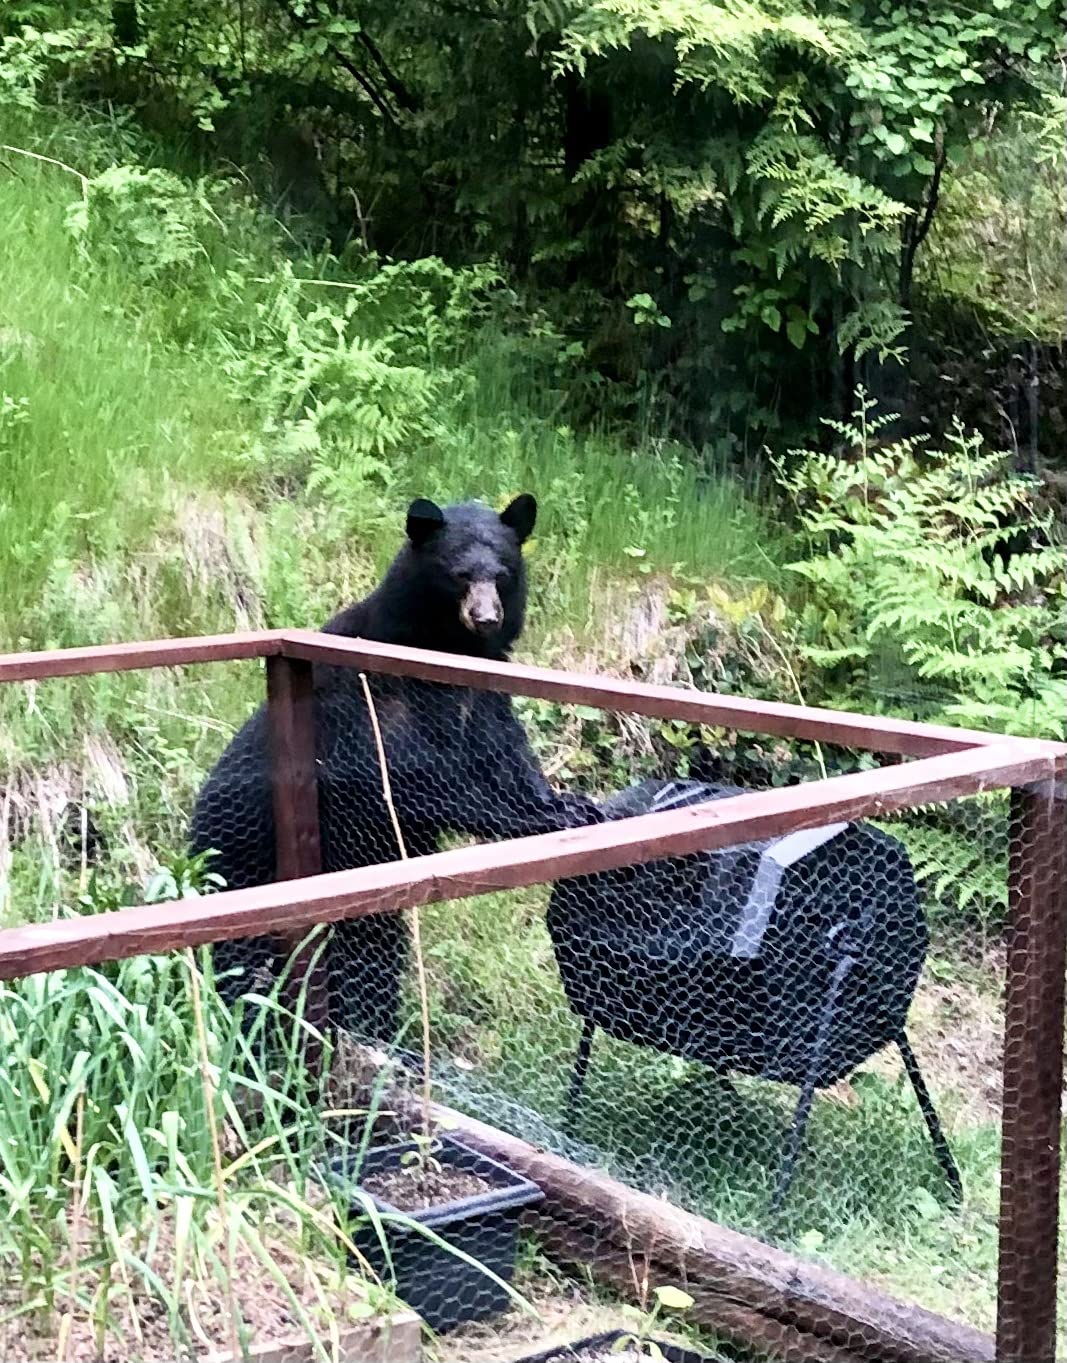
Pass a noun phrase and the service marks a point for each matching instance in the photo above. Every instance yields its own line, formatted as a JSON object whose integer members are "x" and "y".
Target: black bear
{"x": 458, "y": 759}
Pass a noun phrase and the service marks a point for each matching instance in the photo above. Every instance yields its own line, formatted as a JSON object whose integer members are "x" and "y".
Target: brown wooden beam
{"x": 873, "y": 733}
{"x": 76, "y": 662}
{"x": 869, "y": 732}
{"x": 1033, "y": 1075}
{"x": 295, "y": 798}
{"x": 294, "y": 789}
{"x": 295, "y": 906}
{"x": 752, "y": 1291}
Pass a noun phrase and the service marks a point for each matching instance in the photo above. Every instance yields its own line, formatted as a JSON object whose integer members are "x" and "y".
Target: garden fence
{"x": 657, "y": 1016}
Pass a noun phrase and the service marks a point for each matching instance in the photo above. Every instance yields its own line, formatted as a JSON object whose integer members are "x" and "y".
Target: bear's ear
{"x": 425, "y": 518}
{"x": 520, "y": 515}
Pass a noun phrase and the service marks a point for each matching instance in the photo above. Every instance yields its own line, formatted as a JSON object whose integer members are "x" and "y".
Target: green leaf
{"x": 673, "y": 1298}
{"x": 897, "y": 144}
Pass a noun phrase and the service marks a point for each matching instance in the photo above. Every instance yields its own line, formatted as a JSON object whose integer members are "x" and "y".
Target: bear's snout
{"x": 480, "y": 610}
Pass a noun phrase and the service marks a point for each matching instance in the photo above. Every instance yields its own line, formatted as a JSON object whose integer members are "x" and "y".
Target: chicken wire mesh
{"x": 695, "y": 1025}
{"x": 729, "y": 1030}
{"x": 98, "y": 775}
{"x": 798, "y": 1039}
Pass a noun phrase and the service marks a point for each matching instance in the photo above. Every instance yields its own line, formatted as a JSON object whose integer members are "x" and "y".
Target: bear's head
{"x": 468, "y": 562}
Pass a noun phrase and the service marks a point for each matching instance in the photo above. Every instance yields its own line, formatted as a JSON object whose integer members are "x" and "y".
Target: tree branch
{"x": 358, "y": 75}
{"x": 919, "y": 230}
{"x": 394, "y": 84}
{"x": 364, "y": 81}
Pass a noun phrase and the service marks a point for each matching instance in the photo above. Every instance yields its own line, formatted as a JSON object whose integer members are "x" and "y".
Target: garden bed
{"x": 296, "y": 1310}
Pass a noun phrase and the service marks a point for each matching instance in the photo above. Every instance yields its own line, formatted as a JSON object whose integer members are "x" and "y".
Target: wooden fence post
{"x": 291, "y": 715}
{"x": 1033, "y": 1075}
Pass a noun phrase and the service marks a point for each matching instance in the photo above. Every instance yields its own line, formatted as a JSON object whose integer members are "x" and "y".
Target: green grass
{"x": 156, "y": 479}
{"x": 153, "y": 482}
{"x": 144, "y": 1148}
{"x": 101, "y": 418}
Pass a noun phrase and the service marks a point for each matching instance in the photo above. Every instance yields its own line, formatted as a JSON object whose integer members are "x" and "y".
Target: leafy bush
{"x": 997, "y": 245}
{"x": 933, "y": 570}
{"x": 29, "y": 58}
{"x": 146, "y": 217}
{"x": 726, "y": 201}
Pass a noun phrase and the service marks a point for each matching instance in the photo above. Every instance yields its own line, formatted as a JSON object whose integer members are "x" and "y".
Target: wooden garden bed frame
{"x": 945, "y": 764}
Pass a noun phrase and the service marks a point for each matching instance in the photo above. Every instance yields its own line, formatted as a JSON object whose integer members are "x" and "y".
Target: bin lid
{"x": 751, "y": 918}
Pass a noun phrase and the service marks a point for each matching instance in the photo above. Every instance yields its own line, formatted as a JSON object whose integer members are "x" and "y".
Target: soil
{"x": 566, "y": 1311}
{"x": 412, "y": 1190}
{"x": 956, "y": 1027}
{"x": 139, "y": 1330}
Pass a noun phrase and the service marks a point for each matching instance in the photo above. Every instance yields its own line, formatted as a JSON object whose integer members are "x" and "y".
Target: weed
{"x": 640, "y": 1341}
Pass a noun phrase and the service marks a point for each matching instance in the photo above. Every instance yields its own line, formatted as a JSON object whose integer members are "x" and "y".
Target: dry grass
{"x": 329, "y": 1297}
{"x": 566, "y": 1312}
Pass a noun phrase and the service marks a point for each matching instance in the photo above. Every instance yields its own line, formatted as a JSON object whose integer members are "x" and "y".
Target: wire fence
{"x": 778, "y": 1022}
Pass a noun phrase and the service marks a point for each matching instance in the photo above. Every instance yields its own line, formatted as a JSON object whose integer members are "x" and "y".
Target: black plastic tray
{"x": 563, "y": 1353}
{"x": 443, "y": 1289}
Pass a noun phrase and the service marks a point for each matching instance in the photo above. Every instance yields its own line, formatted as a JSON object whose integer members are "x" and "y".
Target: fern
{"x": 961, "y": 871}
{"x": 909, "y": 570}
{"x": 148, "y": 218}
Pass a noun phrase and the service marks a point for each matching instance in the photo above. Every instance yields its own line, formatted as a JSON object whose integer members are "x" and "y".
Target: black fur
{"x": 459, "y": 761}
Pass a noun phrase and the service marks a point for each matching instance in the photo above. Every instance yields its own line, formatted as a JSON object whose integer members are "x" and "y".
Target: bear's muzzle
{"x": 480, "y": 610}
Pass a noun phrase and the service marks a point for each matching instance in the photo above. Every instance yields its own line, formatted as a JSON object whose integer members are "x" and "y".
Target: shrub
{"x": 934, "y": 571}
{"x": 145, "y": 217}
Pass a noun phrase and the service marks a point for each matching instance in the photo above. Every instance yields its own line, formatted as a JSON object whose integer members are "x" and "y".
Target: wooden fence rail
{"x": 867, "y": 732}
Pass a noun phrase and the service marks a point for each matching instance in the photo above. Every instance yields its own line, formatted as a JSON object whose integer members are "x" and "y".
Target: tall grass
{"x": 99, "y": 416}
{"x": 146, "y": 1148}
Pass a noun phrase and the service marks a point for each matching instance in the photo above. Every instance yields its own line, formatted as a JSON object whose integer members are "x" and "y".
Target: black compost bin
{"x": 442, "y": 1288}
{"x": 793, "y": 959}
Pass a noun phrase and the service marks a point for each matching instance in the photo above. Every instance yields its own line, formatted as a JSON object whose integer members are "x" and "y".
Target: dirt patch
{"x": 217, "y": 553}
{"x": 417, "y": 1190}
{"x": 566, "y": 1311}
{"x": 138, "y": 1327}
{"x": 955, "y": 1026}
{"x": 651, "y": 630}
